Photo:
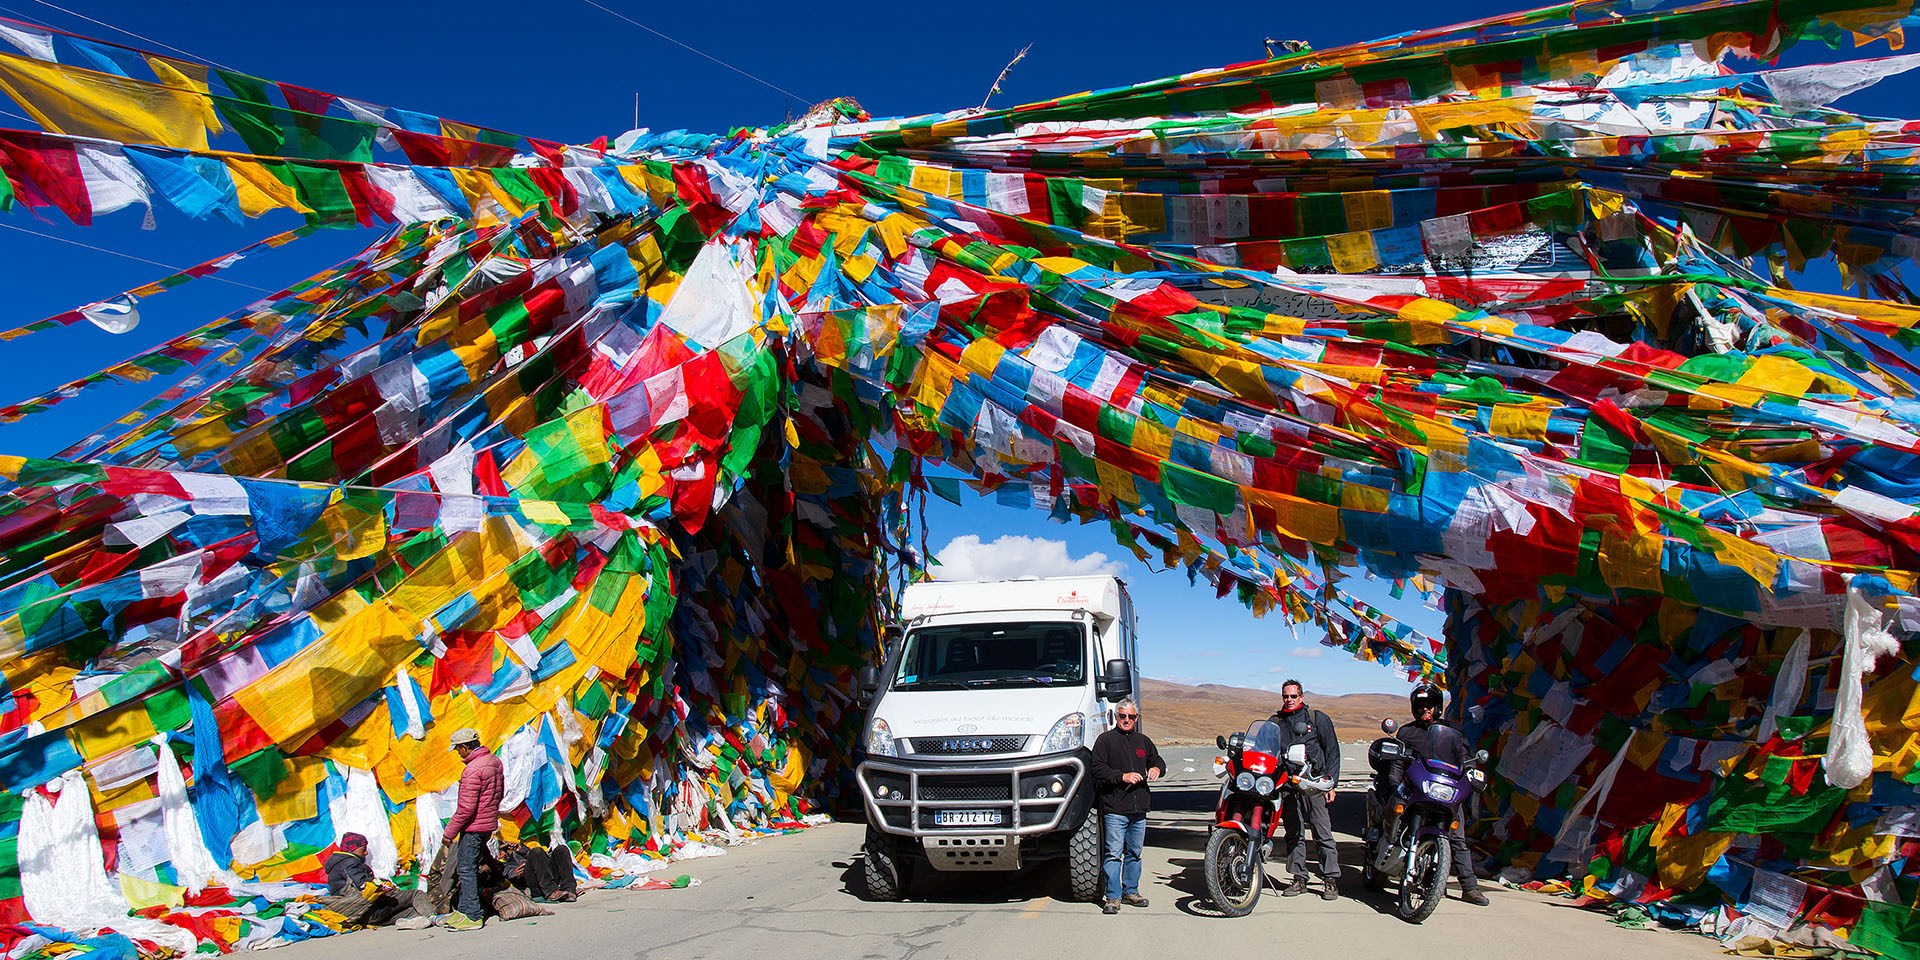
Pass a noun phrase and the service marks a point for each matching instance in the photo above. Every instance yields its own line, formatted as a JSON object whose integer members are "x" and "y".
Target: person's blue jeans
{"x": 1125, "y": 836}
{"x": 471, "y": 846}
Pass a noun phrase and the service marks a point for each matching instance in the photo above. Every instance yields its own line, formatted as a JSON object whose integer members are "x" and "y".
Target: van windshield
{"x": 993, "y": 655}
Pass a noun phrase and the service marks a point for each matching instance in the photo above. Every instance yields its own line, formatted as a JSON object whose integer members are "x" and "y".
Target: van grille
{"x": 966, "y": 746}
{"x": 965, "y": 788}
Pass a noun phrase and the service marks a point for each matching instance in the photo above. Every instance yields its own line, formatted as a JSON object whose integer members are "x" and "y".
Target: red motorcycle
{"x": 1247, "y": 818}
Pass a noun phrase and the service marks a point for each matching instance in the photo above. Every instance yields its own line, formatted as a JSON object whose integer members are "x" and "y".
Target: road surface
{"x": 794, "y": 898}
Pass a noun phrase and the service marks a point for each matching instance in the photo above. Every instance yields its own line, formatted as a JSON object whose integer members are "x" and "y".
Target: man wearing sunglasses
{"x": 1123, "y": 761}
{"x": 1307, "y": 808}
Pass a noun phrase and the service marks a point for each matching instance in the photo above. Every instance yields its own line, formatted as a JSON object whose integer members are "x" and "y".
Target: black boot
{"x": 1329, "y": 890}
{"x": 1294, "y": 889}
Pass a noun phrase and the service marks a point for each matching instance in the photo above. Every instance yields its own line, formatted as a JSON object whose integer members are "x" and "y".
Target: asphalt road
{"x": 796, "y": 897}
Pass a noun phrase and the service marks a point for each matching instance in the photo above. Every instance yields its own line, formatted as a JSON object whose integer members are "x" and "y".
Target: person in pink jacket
{"x": 475, "y": 819}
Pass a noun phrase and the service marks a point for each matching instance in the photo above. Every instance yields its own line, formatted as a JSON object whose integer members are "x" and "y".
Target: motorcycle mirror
{"x": 1220, "y": 742}
{"x": 1388, "y": 726}
{"x": 1480, "y": 757}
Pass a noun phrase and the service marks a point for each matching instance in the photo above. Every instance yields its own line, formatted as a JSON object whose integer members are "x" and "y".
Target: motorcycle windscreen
{"x": 1263, "y": 736}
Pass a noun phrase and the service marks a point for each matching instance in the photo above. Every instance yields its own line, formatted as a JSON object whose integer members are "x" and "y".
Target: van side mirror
{"x": 869, "y": 684}
{"x": 1117, "y": 681}
{"x": 890, "y": 634}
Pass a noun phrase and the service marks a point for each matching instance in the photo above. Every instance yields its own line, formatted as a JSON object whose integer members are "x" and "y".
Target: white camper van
{"x": 977, "y": 744}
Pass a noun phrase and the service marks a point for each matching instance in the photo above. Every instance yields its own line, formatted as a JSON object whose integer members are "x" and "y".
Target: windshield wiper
{"x": 994, "y": 681}
{"x": 936, "y": 685}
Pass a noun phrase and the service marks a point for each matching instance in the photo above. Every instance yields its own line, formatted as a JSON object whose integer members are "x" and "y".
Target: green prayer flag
{"x": 1193, "y": 488}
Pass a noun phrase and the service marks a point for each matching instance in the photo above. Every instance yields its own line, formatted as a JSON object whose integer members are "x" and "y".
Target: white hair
{"x": 1128, "y": 702}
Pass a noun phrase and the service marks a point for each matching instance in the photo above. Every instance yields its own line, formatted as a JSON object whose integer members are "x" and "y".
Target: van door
{"x": 1129, "y": 643}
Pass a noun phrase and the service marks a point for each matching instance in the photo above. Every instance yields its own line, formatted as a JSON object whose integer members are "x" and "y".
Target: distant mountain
{"x": 1176, "y": 712}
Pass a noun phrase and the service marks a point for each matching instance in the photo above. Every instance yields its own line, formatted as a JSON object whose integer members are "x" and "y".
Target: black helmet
{"x": 1425, "y": 694}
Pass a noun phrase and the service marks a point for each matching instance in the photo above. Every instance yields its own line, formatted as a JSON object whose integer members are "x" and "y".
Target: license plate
{"x": 967, "y": 818}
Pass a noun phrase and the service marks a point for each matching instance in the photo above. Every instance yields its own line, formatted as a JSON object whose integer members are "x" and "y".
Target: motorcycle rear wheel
{"x": 1425, "y": 884}
{"x": 1234, "y": 871}
{"x": 1373, "y": 879}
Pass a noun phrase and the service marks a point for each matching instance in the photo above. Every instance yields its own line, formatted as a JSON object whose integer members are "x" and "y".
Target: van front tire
{"x": 1084, "y": 877}
{"x": 887, "y": 875}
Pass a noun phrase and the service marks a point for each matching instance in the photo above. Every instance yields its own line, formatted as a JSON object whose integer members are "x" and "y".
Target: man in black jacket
{"x": 1300, "y": 723}
{"x": 1430, "y": 738}
{"x": 1123, "y": 761}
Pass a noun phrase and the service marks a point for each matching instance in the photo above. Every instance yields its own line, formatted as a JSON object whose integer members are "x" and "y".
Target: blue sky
{"x": 1186, "y": 635}
{"x": 565, "y": 70}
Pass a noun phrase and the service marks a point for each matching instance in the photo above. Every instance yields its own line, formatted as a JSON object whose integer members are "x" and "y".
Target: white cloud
{"x": 967, "y": 558}
{"x": 1307, "y": 653}
{"x": 1276, "y": 668}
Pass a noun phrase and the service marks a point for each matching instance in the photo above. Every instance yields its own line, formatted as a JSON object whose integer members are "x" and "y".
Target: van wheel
{"x": 887, "y": 875}
{"x": 1084, "y": 878}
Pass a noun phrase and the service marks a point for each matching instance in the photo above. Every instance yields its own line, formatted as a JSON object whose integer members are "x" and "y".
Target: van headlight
{"x": 880, "y": 740}
{"x": 1068, "y": 733}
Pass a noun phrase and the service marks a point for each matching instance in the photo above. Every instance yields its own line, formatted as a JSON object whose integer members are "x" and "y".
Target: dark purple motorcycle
{"x": 1411, "y": 808}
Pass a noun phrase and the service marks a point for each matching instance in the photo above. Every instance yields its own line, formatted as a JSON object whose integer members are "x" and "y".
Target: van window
{"x": 993, "y": 655}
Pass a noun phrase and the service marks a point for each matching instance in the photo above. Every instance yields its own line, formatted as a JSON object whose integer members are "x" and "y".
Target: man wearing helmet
{"x": 1300, "y": 723}
{"x": 1430, "y": 738}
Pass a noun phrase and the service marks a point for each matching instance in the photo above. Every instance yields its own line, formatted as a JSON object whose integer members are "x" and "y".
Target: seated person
{"x": 540, "y": 873}
{"x": 442, "y": 887}
{"x": 354, "y": 893}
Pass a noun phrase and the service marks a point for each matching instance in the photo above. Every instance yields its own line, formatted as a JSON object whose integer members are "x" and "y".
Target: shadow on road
{"x": 1046, "y": 881}
{"x": 1181, "y": 821}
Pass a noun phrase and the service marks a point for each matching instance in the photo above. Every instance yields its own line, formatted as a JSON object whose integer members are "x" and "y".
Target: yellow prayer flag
{"x": 296, "y": 797}
{"x": 1631, "y": 562}
{"x": 1369, "y": 209}
{"x": 982, "y": 356}
{"x": 1352, "y": 252}
{"x": 67, "y": 99}
{"x": 1433, "y": 118}
{"x": 259, "y": 190}
{"x": 544, "y": 511}
{"x": 328, "y": 677}
{"x": 188, "y": 76}
{"x": 1520, "y": 422}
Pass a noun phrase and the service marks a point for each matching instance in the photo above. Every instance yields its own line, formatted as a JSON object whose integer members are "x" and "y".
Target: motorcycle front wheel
{"x": 1235, "y": 873}
{"x": 1425, "y": 884}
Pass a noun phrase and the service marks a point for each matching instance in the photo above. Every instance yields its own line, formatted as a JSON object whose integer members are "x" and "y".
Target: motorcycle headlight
{"x": 1441, "y": 791}
{"x": 1243, "y": 782}
{"x": 1068, "y": 732}
{"x": 880, "y": 740}
{"x": 1264, "y": 785}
